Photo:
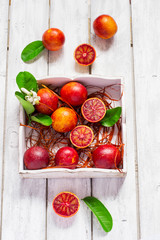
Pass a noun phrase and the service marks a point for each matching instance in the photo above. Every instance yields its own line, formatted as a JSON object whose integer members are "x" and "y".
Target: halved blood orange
{"x": 66, "y": 204}
{"x": 93, "y": 109}
{"x": 85, "y": 54}
{"x": 81, "y": 136}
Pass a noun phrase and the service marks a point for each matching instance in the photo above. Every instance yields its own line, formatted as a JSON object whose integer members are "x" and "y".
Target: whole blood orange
{"x": 64, "y": 119}
{"x": 93, "y": 109}
{"x": 67, "y": 157}
{"x": 85, "y": 54}
{"x": 104, "y": 26}
{"x": 36, "y": 158}
{"x": 74, "y": 93}
{"x": 48, "y": 102}
{"x": 106, "y": 156}
{"x": 53, "y": 39}
{"x": 81, "y": 136}
{"x": 66, "y": 204}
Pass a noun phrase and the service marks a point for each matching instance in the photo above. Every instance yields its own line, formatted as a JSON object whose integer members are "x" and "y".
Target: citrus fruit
{"x": 53, "y": 39}
{"x": 74, "y": 93}
{"x": 64, "y": 119}
{"x": 104, "y": 26}
{"x": 66, "y": 157}
{"x": 106, "y": 156}
{"x": 85, "y": 54}
{"x": 81, "y": 136}
{"x": 66, "y": 204}
{"x": 93, "y": 109}
{"x": 48, "y": 102}
{"x": 36, "y": 158}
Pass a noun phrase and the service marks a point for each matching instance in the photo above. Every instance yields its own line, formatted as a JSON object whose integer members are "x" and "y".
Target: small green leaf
{"x": 26, "y": 80}
{"x": 32, "y": 50}
{"x": 28, "y": 107}
{"x": 43, "y": 119}
{"x": 111, "y": 117}
{"x": 101, "y": 212}
{"x": 19, "y": 94}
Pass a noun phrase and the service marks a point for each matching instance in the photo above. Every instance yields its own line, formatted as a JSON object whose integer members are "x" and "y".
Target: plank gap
{"x": 4, "y": 127}
{"x": 46, "y": 209}
{"x": 135, "y": 129}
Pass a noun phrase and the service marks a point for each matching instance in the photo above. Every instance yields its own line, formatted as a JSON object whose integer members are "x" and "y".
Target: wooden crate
{"x": 94, "y": 80}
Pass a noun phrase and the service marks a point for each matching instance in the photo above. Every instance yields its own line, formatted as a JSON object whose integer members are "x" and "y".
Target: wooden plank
{"x": 114, "y": 59}
{"x": 3, "y": 60}
{"x": 24, "y": 201}
{"x": 146, "y": 34}
{"x": 72, "y": 19}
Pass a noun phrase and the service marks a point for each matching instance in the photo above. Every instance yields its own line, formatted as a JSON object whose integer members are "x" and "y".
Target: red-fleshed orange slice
{"x": 66, "y": 204}
{"x": 85, "y": 54}
{"x": 93, "y": 109}
{"x": 81, "y": 136}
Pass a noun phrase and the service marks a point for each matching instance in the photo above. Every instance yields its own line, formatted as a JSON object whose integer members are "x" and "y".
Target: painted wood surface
{"x": 3, "y": 65}
{"x": 72, "y": 19}
{"x": 114, "y": 58}
{"x": 24, "y": 201}
{"x": 146, "y": 45}
{"x": 26, "y": 204}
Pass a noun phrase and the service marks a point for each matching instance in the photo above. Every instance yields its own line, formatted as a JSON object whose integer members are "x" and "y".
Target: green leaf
{"x": 111, "y": 117}
{"x": 28, "y": 107}
{"x": 43, "y": 119}
{"x": 19, "y": 94}
{"x": 32, "y": 50}
{"x": 101, "y": 212}
{"x": 26, "y": 80}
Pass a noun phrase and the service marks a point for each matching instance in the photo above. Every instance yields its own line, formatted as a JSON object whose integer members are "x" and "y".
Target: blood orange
{"x": 74, "y": 93}
{"x": 85, "y": 54}
{"x": 81, "y": 136}
{"x": 104, "y": 26}
{"x": 66, "y": 204}
{"x": 64, "y": 119}
{"x": 93, "y": 109}
{"x": 53, "y": 39}
{"x": 66, "y": 157}
{"x": 106, "y": 156}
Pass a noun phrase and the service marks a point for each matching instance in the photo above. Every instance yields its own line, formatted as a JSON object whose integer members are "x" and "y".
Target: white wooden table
{"x": 134, "y": 202}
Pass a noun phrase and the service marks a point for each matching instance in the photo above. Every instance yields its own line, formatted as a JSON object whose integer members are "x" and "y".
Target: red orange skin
{"x": 36, "y": 158}
{"x": 104, "y": 156}
{"x": 105, "y": 26}
{"x": 74, "y": 93}
{"x": 47, "y": 99}
{"x": 53, "y": 39}
{"x": 67, "y": 157}
{"x": 64, "y": 119}
{"x": 65, "y": 216}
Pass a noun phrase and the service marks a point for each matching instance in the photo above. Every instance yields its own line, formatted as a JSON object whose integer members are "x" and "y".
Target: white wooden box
{"x": 94, "y": 80}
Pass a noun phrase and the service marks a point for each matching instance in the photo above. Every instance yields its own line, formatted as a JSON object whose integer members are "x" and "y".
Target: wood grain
{"x": 114, "y": 59}
{"x": 24, "y": 201}
{"x": 146, "y": 45}
{"x": 3, "y": 64}
{"x": 72, "y": 18}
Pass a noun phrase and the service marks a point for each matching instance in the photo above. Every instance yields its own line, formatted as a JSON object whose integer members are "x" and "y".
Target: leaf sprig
{"x": 27, "y": 81}
{"x": 32, "y": 50}
{"x": 100, "y": 211}
{"x": 111, "y": 117}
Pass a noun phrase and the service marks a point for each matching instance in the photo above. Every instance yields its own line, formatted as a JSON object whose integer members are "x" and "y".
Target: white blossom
{"x": 31, "y": 96}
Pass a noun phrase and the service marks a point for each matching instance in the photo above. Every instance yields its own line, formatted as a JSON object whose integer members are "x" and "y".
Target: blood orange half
{"x": 66, "y": 204}
{"x": 81, "y": 136}
{"x": 93, "y": 109}
{"x": 85, "y": 54}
